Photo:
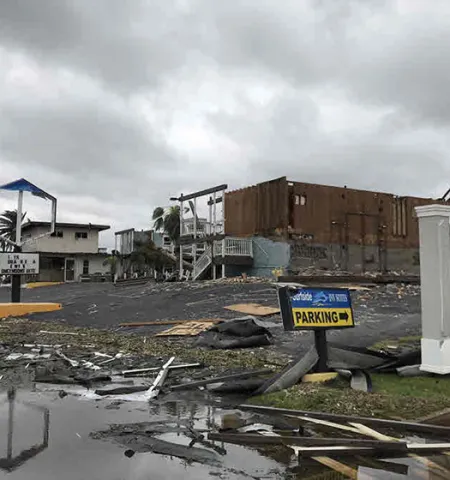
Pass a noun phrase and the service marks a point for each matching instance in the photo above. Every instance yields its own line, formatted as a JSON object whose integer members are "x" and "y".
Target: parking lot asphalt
{"x": 384, "y": 312}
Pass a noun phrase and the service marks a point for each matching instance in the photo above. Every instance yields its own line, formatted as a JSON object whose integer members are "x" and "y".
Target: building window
{"x": 300, "y": 200}
{"x": 79, "y": 235}
{"x": 85, "y": 267}
{"x": 57, "y": 233}
{"x": 399, "y": 217}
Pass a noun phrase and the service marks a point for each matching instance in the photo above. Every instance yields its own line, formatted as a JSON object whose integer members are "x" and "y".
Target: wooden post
{"x": 181, "y": 233}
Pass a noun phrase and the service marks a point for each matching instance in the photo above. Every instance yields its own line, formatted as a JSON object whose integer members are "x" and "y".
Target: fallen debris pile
{"x": 356, "y": 438}
{"x": 238, "y": 333}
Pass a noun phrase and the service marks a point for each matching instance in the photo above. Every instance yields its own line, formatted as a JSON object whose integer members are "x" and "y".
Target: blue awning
{"x": 23, "y": 185}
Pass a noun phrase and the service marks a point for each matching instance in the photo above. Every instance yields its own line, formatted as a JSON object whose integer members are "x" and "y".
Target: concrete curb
{"x": 19, "y": 309}
{"x": 42, "y": 284}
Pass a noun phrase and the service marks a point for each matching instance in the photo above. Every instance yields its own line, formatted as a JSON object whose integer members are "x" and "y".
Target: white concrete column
{"x": 434, "y": 233}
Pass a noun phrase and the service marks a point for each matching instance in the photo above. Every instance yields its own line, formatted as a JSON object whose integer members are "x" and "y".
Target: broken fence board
{"x": 253, "y": 309}
{"x": 395, "y": 424}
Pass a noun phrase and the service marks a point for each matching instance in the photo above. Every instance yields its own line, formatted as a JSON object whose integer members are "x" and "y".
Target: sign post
{"x": 317, "y": 309}
{"x": 21, "y": 186}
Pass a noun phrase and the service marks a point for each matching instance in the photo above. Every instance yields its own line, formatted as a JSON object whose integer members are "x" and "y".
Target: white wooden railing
{"x": 234, "y": 247}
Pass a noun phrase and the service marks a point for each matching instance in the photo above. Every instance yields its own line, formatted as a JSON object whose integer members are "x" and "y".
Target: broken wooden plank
{"x": 72, "y": 363}
{"x": 238, "y": 376}
{"x": 394, "y": 449}
{"x": 395, "y": 424}
{"x": 121, "y": 390}
{"x": 339, "y": 467}
{"x": 275, "y": 439}
{"x": 326, "y": 423}
{"x": 154, "y": 390}
{"x": 191, "y": 328}
{"x": 253, "y": 309}
{"x": 365, "y": 430}
{"x": 141, "y": 371}
{"x": 350, "y": 451}
{"x": 168, "y": 322}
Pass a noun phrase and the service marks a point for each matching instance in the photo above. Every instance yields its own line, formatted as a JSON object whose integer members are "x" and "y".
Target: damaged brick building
{"x": 302, "y": 225}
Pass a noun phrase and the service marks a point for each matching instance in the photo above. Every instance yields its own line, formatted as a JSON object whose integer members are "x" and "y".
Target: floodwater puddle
{"x": 45, "y": 437}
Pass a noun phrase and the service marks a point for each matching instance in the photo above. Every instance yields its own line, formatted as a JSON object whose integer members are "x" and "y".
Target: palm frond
{"x": 158, "y": 212}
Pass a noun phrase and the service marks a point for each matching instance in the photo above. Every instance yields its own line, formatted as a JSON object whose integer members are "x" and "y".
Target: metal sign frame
{"x": 21, "y": 186}
{"x": 285, "y": 295}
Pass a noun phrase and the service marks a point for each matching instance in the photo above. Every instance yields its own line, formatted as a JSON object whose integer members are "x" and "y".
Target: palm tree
{"x": 167, "y": 220}
{"x": 113, "y": 262}
{"x": 8, "y": 222}
{"x": 148, "y": 255}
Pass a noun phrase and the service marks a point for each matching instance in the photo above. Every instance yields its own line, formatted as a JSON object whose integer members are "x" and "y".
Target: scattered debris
{"x": 394, "y": 424}
{"x": 72, "y": 363}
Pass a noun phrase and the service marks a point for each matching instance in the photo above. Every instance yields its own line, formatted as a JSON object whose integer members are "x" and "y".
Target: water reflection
{"x": 11, "y": 462}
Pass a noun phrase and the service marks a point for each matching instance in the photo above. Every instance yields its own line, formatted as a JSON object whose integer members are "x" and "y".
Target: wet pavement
{"x": 78, "y": 447}
{"x": 73, "y": 454}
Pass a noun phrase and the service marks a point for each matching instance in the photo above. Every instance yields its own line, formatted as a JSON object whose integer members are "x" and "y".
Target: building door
{"x": 69, "y": 273}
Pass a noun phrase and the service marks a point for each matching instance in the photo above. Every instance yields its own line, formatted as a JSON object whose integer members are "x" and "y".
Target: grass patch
{"x": 393, "y": 397}
{"x": 413, "y": 341}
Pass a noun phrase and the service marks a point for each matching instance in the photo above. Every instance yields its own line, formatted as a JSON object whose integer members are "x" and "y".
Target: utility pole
{"x": 16, "y": 279}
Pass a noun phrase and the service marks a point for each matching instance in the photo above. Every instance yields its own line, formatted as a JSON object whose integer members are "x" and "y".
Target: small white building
{"x": 70, "y": 254}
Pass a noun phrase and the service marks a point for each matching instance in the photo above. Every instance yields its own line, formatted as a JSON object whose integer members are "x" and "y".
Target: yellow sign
{"x": 323, "y": 317}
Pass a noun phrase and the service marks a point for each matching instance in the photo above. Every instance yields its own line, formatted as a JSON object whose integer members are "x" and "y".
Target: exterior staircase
{"x": 228, "y": 247}
{"x": 202, "y": 263}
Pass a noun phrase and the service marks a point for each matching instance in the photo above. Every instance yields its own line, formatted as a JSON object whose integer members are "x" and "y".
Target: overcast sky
{"x": 113, "y": 106}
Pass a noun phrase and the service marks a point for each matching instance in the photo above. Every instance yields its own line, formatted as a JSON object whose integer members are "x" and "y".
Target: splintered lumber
{"x": 168, "y": 322}
{"x": 238, "y": 376}
{"x": 338, "y": 467}
{"x": 325, "y": 423}
{"x": 256, "y": 439}
{"x": 154, "y": 390}
{"x": 365, "y": 430}
{"x": 393, "y": 424}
